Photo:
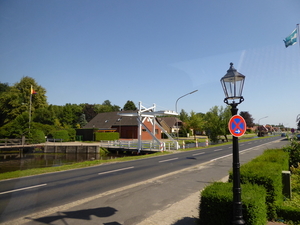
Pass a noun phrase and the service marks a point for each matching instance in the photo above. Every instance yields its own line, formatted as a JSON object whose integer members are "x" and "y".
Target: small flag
{"x": 32, "y": 91}
{"x": 291, "y": 39}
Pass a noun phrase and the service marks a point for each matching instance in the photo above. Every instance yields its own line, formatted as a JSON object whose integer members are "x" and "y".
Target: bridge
{"x": 136, "y": 145}
{"x": 79, "y": 147}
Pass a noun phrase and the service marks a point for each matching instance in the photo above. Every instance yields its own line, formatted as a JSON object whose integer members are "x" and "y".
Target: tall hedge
{"x": 106, "y": 136}
{"x": 61, "y": 134}
{"x": 216, "y": 205}
{"x": 266, "y": 170}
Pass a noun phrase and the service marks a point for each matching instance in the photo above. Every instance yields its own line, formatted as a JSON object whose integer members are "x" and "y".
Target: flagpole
{"x": 297, "y": 27}
{"x": 30, "y": 107}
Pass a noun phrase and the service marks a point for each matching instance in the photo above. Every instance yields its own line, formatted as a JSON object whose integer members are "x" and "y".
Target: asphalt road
{"x": 26, "y": 196}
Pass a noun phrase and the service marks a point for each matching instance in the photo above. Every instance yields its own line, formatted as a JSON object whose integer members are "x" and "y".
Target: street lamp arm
{"x": 182, "y": 97}
{"x": 176, "y": 110}
{"x": 261, "y": 119}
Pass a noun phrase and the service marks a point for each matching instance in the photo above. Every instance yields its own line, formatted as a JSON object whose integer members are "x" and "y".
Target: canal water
{"x": 13, "y": 161}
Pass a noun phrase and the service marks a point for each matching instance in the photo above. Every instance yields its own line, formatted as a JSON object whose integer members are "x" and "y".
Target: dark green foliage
{"x": 107, "y": 136}
{"x": 16, "y": 128}
{"x": 289, "y": 213}
{"x": 129, "y": 105}
{"x": 294, "y": 153}
{"x": 216, "y": 204}
{"x": 61, "y": 134}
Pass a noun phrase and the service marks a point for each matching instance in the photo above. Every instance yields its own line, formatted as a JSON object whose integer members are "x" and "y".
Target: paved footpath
{"x": 187, "y": 210}
{"x": 171, "y": 199}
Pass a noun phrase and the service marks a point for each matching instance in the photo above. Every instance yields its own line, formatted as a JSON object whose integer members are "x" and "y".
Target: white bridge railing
{"x": 146, "y": 145}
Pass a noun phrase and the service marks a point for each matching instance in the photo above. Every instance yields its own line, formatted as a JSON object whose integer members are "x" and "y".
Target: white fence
{"x": 146, "y": 145}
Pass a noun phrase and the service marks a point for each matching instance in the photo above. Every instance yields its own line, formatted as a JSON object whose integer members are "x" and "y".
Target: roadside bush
{"x": 267, "y": 175}
{"x": 294, "y": 152}
{"x": 37, "y": 136}
{"x": 216, "y": 205}
{"x": 46, "y": 128}
{"x": 274, "y": 156}
{"x": 265, "y": 170}
{"x": 289, "y": 211}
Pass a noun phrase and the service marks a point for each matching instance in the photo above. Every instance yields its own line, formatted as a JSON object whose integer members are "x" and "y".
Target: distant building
{"x": 125, "y": 125}
{"x": 170, "y": 124}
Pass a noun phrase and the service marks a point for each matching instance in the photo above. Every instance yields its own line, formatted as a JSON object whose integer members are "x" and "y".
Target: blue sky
{"x": 89, "y": 51}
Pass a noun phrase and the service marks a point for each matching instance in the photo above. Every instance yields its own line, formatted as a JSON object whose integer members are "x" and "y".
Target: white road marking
{"x": 167, "y": 160}
{"x": 220, "y": 149}
{"x": 220, "y": 157}
{"x": 201, "y": 153}
{"x": 22, "y": 189}
{"x": 112, "y": 171}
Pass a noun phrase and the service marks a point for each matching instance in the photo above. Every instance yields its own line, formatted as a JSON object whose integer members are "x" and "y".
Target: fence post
{"x": 162, "y": 146}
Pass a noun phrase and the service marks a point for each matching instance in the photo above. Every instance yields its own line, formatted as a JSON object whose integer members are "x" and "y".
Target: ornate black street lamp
{"x": 233, "y": 83}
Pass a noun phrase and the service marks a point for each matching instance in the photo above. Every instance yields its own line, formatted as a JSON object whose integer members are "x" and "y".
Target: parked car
{"x": 298, "y": 136}
{"x": 283, "y": 134}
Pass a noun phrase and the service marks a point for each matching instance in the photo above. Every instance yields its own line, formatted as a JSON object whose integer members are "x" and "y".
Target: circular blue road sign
{"x": 237, "y": 126}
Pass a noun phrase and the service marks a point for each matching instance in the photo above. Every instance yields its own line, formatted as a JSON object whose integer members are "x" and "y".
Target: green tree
{"x": 129, "y": 105}
{"x": 111, "y": 108}
{"x": 82, "y": 121}
{"x": 70, "y": 115}
{"x": 4, "y": 87}
{"x": 105, "y": 107}
{"x": 217, "y": 122}
{"x": 44, "y": 115}
{"x": 16, "y": 128}
{"x": 225, "y": 115}
{"x": 16, "y": 99}
{"x": 195, "y": 122}
{"x": 183, "y": 116}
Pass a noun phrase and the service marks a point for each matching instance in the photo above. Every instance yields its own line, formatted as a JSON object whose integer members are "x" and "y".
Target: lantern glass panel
{"x": 233, "y": 83}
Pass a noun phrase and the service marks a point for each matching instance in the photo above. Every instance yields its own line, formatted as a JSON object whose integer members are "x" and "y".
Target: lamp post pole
{"x": 237, "y": 191}
{"x": 177, "y": 112}
{"x": 233, "y": 83}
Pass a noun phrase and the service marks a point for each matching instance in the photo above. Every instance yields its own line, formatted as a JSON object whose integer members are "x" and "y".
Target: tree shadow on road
{"x": 84, "y": 214}
{"x": 187, "y": 221}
